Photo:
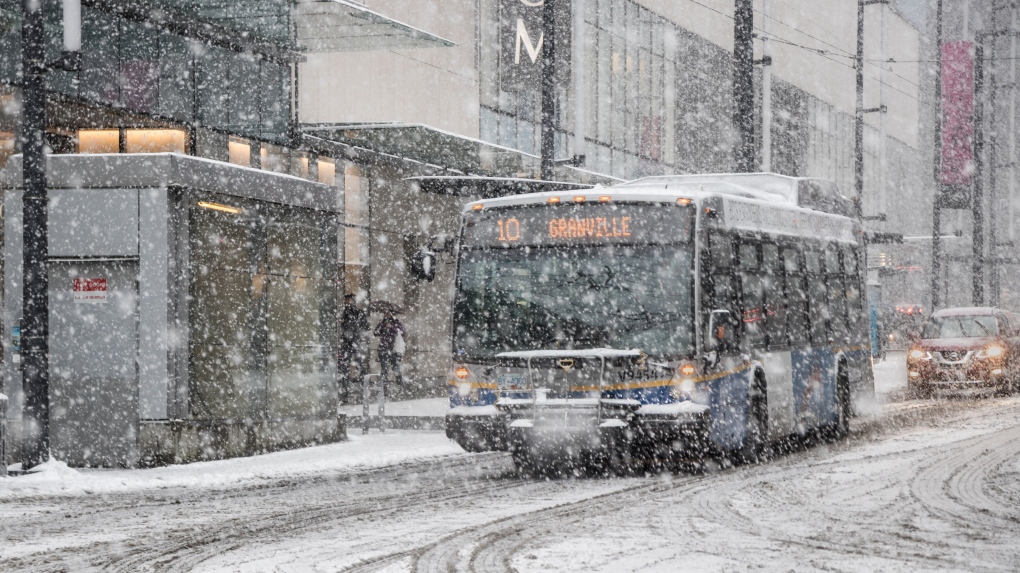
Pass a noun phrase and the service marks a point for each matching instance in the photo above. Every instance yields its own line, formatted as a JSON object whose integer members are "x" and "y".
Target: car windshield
{"x": 961, "y": 327}
{"x": 576, "y": 297}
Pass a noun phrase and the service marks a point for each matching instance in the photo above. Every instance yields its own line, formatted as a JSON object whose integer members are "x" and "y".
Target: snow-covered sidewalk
{"x": 359, "y": 452}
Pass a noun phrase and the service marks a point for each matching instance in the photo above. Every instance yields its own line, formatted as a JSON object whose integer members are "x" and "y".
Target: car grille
{"x": 953, "y": 356}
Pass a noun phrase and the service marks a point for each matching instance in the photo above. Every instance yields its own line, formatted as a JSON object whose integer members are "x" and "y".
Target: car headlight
{"x": 918, "y": 354}
{"x": 992, "y": 351}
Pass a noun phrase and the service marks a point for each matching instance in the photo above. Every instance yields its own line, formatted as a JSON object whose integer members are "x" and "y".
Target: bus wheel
{"x": 756, "y": 438}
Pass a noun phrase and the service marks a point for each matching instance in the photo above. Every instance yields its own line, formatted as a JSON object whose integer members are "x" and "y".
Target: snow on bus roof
{"x": 768, "y": 185}
{"x": 761, "y": 187}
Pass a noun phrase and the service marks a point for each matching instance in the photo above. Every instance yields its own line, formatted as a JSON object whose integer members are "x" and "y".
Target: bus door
{"x": 725, "y": 372}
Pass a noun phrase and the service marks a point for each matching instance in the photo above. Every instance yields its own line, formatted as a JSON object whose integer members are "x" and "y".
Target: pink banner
{"x": 957, "y": 113}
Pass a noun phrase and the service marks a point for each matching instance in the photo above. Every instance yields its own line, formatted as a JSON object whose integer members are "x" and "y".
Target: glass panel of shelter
{"x": 263, "y": 309}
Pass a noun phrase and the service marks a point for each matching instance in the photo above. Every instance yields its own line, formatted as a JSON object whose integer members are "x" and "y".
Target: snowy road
{"x": 939, "y": 490}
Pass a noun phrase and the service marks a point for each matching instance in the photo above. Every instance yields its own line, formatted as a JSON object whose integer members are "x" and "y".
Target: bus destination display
{"x": 585, "y": 224}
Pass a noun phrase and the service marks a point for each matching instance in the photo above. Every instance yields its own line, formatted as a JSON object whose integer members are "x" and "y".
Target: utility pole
{"x": 766, "y": 88}
{"x": 859, "y": 108}
{"x": 936, "y": 224}
{"x": 977, "y": 198}
{"x": 35, "y": 448}
{"x": 743, "y": 84}
{"x": 549, "y": 90}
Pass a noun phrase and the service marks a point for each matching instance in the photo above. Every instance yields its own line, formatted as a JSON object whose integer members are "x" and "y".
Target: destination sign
{"x": 579, "y": 224}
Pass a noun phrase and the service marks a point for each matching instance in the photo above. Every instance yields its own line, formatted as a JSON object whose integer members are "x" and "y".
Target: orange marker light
{"x": 687, "y": 369}
{"x": 579, "y": 199}
{"x": 477, "y": 207}
{"x": 554, "y": 199}
{"x": 462, "y": 372}
{"x": 605, "y": 199}
{"x": 684, "y": 201}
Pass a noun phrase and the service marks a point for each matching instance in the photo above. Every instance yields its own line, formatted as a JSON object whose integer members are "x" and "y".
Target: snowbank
{"x": 359, "y": 452}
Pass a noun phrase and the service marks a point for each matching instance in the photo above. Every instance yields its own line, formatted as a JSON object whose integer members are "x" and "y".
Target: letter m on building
{"x": 524, "y": 38}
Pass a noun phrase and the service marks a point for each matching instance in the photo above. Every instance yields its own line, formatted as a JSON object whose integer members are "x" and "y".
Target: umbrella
{"x": 384, "y": 306}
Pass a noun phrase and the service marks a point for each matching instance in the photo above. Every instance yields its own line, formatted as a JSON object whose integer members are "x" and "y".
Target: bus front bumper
{"x": 681, "y": 426}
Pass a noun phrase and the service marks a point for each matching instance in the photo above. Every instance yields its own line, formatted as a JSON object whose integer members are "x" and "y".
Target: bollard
{"x": 3, "y": 435}
{"x": 366, "y": 400}
{"x": 382, "y": 405}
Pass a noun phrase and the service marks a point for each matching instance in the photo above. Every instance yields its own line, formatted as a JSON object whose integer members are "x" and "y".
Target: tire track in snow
{"x": 957, "y": 483}
{"x": 186, "y": 548}
{"x": 493, "y": 546}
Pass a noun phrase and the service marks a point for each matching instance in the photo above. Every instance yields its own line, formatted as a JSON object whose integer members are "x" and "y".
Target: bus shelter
{"x": 193, "y": 309}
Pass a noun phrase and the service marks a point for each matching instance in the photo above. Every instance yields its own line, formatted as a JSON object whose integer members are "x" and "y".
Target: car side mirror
{"x": 722, "y": 332}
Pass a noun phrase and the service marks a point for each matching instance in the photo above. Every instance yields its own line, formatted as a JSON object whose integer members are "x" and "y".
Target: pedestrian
{"x": 391, "y": 346}
{"x": 353, "y": 350}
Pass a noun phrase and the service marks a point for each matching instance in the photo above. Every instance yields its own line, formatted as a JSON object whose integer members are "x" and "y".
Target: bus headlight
{"x": 683, "y": 389}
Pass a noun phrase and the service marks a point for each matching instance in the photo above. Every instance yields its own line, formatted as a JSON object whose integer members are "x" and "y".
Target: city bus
{"x": 664, "y": 319}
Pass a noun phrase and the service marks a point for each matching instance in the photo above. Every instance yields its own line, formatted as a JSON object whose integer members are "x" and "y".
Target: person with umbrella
{"x": 391, "y": 335}
{"x": 353, "y": 344}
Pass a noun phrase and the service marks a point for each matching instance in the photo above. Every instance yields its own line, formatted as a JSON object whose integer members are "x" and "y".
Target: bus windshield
{"x": 575, "y": 297}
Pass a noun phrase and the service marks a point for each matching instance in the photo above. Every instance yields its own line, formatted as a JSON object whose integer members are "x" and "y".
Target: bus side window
{"x": 837, "y": 307}
{"x": 775, "y": 301}
{"x": 721, "y": 247}
{"x": 753, "y": 308}
{"x": 854, "y": 312}
{"x": 795, "y": 291}
{"x": 819, "y": 309}
{"x": 852, "y": 281}
{"x": 812, "y": 262}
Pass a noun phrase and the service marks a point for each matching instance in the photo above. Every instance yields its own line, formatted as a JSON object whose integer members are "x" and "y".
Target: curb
{"x": 400, "y": 422}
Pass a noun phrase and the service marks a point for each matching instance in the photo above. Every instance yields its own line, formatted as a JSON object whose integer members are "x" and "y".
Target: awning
{"x": 488, "y": 187}
{"x": 450, "y": 151}
{"x": 347, "y": 26}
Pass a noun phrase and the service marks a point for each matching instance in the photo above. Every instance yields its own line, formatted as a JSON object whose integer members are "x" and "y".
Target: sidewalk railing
{"x": 3, "y": 435}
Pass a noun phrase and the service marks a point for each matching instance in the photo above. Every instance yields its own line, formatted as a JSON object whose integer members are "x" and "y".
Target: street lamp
{"x": 35, "y": 447}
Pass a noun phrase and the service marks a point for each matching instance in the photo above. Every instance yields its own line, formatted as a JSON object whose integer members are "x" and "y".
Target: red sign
{"x": 957, "y": 113}
{"x": 90, "y": 291}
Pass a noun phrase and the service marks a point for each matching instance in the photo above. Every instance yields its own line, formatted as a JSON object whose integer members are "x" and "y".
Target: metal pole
{"x": 743, "y": 84}
{"x": 35, "y": 448}
{"x": 859, "y": 115}
{"x": 936, "y": 245}
{"x": 766, "y": 88}
{"x": 1012, "y": 151}
{"x": 366, "y": 400}
{"x": 548, "y": 90}
{"x": 977, "y": 205}
{"x": 580, "y": 101}
{"x": 382, "y": 404}
{"x": 993, "y": 195}
{"x": 883, "y": 163}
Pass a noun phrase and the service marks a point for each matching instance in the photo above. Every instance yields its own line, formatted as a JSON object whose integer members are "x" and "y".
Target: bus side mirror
{"x": 423, "y": 265}
{"x": 722, "y": 332}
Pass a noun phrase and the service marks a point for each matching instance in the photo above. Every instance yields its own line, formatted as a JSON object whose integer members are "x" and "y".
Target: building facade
{"x": 655, "y": 93}
{"x": 342, "y": 94}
